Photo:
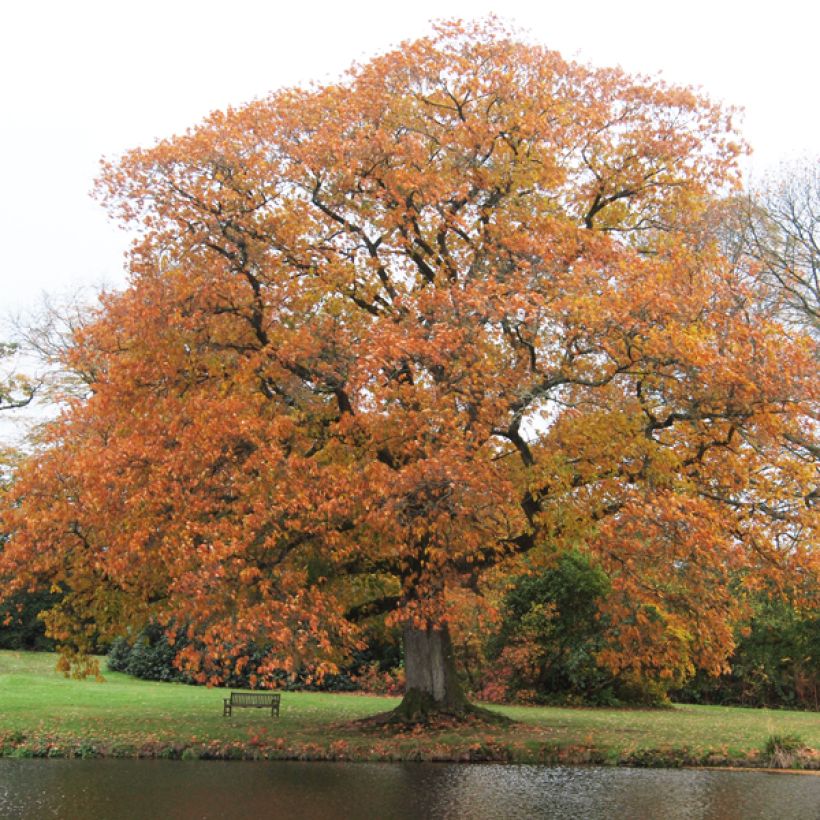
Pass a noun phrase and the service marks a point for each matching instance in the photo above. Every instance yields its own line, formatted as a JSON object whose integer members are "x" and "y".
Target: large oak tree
{"x": 388, "y": 337}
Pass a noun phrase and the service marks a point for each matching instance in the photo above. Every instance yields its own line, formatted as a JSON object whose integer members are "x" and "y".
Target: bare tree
{"x": 48, "y": 336}
{"x": 776, "y": 229}
{"x": 16, "y": 390}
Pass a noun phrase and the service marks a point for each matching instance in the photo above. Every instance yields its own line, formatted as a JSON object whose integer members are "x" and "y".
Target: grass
{"x": 44, "y": 714}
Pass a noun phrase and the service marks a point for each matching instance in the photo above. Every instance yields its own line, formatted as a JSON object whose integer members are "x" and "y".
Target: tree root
{"x": 419, "y": 709}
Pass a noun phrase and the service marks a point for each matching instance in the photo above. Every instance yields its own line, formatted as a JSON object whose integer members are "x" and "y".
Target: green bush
{"x": 152, "y": 658}
{"x": 25, "y": 630}
{"x": 549, "y": 634}
{"x": 149, "y": 656}
{"x": 776, "y": 662}
{"x": 118, "y": 654}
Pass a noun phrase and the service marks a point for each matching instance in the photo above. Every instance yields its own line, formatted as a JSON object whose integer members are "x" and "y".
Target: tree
{"x": 777, "y": 229}
{"x": 385, "y": 337}
{"x": 47, "y": 334}
{"x": 16, "y": 390}
{"x": 20, "y": 627}
{"x": 771, "y": 233}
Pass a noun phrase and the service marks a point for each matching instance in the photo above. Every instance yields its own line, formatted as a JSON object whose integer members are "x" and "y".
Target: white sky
{"x": 83, "y": 79}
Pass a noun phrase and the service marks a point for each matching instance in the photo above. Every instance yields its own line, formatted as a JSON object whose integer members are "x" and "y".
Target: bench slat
{"x": 253, "y": 698}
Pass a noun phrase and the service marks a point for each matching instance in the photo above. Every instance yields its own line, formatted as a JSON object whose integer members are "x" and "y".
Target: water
{"x": 132, "y": 789}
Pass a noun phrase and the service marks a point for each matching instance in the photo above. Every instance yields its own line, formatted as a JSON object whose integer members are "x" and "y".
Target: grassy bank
{"x": 43, "y": 714}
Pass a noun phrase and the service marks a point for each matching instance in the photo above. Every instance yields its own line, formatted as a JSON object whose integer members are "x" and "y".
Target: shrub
{"x": 546, "y": 648}
{"x": 776, "y": 662}
{"x": 24, "y": 629}
{"x": 149, "y": 656}
{"x": 118, "y": 654}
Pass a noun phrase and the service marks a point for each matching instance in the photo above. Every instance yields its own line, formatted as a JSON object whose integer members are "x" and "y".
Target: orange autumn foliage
{"x": 386, "y": 336}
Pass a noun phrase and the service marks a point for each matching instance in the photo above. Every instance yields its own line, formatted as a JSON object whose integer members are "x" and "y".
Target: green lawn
{"x": 43, "y": 713}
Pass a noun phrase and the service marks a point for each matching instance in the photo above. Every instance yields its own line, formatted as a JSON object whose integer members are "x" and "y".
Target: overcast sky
{"x": 84, "y": 79}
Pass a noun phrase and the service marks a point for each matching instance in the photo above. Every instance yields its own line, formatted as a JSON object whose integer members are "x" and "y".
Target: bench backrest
{"x": 254, "y": 698}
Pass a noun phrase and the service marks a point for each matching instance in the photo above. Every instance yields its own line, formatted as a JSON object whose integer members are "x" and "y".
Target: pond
{"x": 125, "y": 789}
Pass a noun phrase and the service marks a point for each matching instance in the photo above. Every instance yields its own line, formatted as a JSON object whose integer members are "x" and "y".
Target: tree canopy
{"x": 388, "y": 338}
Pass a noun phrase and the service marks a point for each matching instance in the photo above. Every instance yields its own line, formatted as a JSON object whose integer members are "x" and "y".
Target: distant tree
{"x": 16, "y": 390}
{"x": 384, "y": 338}
{"x": 48, "y": 334}
{"x": 775, "y": 231}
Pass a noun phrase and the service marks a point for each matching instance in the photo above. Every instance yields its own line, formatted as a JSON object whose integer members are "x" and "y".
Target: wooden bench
{"x": 252, "y": 700}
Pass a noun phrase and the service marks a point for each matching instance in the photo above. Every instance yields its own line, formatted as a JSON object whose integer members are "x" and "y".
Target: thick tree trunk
{"x": 433, "y": 690}
{"x": 430, "y": 669}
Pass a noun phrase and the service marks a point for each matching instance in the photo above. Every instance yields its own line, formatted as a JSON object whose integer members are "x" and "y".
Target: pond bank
{"x": 429, "y": 749}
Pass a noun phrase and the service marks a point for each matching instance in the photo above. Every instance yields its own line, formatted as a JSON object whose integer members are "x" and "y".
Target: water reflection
{"x": 126, "y": 789}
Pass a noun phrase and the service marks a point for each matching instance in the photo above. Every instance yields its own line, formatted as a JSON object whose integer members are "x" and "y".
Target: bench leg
{"x": 226, "y": 710}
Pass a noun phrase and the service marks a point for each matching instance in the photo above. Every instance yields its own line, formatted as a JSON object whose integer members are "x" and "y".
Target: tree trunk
{"x": 433, "y": 690}
{"x": 432, "y": 686}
